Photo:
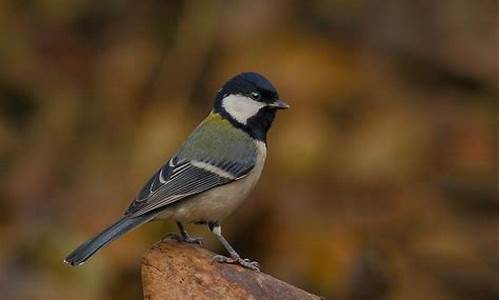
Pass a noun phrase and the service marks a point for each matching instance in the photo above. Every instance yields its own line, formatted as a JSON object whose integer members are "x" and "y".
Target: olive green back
{"x": 217, "y": 140}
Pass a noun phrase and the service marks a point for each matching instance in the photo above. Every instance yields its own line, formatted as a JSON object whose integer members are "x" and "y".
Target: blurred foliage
{"x": 381, "y": 180}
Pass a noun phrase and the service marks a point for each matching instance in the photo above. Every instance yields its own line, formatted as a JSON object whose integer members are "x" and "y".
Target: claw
{"x": 187, "y": 239}
{"x": 194, "y": 240}
{"x": 246, "y": 263}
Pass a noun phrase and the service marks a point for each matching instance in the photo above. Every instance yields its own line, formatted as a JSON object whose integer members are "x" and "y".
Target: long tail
{"x": 90, "y": 247}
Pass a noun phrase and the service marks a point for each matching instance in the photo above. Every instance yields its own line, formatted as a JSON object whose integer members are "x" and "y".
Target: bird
{"x": 210, "y": 175}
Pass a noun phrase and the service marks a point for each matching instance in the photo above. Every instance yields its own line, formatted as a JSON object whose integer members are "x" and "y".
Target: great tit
{"x": 211, "y": 174}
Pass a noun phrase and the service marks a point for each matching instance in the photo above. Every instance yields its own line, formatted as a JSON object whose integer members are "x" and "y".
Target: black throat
{"x": 256, "y": 126}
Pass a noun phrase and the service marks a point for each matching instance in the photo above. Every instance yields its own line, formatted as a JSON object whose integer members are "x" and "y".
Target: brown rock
{"x": 173, "y": 270}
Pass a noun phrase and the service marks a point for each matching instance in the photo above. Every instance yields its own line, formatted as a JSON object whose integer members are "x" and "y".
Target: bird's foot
{"x": 185, "y": 239}
{"x": 246, "y": 263}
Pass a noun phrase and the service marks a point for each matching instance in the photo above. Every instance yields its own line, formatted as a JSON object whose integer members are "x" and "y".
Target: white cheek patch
{"x": 241, "y": 108}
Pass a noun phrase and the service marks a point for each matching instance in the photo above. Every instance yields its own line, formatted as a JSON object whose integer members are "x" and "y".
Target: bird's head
{"x": 250, "y": 102}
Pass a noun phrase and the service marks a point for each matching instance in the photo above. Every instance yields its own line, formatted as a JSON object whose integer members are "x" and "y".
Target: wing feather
{"x": 173, "y": 182}
{"x": 216, "y": 153}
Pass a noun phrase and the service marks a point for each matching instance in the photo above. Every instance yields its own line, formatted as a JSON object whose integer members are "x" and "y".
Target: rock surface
{"x": 173, "y": 270}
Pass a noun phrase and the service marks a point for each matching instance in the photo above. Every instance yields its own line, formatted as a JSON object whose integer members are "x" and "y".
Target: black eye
{"x": 255, "y": 95}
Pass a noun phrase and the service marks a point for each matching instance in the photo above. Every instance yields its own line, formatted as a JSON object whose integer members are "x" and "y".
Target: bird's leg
{"x": 235, "y": 258}
{"x": 184, "y": 236}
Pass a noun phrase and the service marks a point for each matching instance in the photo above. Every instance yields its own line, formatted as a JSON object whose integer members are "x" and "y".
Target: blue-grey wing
{"x": 179, "y": 179}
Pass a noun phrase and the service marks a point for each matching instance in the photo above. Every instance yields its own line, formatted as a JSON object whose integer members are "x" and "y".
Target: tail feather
{"x": 90, "y": 247}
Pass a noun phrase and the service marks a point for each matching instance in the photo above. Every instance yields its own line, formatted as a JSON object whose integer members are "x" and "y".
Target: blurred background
{"x": 382, "y": 178}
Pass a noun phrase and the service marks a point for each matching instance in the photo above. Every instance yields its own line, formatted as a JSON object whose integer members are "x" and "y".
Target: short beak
{"x": 279, "y": 104}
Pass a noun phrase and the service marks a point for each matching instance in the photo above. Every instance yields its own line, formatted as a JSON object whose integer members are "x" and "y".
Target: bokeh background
{"x": 381, "y": 182}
